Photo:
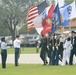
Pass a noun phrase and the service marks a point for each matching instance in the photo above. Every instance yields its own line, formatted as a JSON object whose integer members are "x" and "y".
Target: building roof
{"x": 72, "y": 23}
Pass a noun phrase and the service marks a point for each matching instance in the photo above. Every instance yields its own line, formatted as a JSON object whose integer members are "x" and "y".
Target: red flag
{"x": 47, "y": 22}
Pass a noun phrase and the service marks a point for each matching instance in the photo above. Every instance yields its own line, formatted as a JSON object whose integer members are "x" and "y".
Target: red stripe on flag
{"x": 32, "y": 13}
{"x": 29, "y": 27}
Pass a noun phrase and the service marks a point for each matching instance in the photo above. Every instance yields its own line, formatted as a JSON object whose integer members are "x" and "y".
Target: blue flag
{"x": 64, "y": 21}
{"x": 56, "y": 19}
{"x": 64, "y": 5}
{"x": 42, "y": 6}
{"x": 69, "y": 11}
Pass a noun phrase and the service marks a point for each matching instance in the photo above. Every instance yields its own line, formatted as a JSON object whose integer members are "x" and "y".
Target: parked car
{"x": 9, "y": 40}
{"x": 30, "y": 40}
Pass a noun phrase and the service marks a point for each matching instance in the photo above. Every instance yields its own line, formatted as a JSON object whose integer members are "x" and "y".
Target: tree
{"x": 69, "y": 1}
{"x": 24, "y": 30}
{"x": 13, "y": 12}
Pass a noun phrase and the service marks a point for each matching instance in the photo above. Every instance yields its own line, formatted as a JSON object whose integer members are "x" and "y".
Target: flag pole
{"x": 69, "y": 27}
{"x": 57, "y": 1}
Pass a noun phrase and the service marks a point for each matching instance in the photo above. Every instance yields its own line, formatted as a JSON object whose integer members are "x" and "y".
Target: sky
{"x": 61, "y": 2}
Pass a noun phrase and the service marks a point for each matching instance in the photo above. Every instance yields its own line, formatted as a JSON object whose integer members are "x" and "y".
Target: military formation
{"x": 55, "y": 47}
{"x": 58, "y": 48}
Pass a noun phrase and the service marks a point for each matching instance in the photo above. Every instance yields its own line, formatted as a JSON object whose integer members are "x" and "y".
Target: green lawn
{"x": 35, "y": 69}
{"x": 24, "y": 50}
{"x": 38, "y": 69}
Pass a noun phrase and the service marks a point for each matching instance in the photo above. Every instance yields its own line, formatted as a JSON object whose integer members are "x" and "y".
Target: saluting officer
{"x": 17, "y": 43}
{"x": 3, "y": 52}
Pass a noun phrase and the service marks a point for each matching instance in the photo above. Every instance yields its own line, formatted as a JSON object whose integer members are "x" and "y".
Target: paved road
{"x": 25, "y": 59}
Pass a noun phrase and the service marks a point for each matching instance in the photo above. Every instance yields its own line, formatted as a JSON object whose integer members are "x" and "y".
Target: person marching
{"x": 66, "y": 52}
{"x": 3, "y": 52}
{"x": 44, "y": 49}
{"x": 73, "y": 49}
{"x": 54, "y": 43}
{"x": 17, "y": 43}
{"x": 37, "y": 45}
{"x": 50, "y": 51}
{"x": 61, "y": 41}
{"x": 57, "y": 50}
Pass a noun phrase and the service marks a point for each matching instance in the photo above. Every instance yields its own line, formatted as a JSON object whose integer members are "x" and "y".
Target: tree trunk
{"x": 13, "y": 35}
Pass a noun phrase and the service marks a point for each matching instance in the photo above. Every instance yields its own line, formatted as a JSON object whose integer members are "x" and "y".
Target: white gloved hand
{"x": 71, "y": 47}
{"x": 37, "y": 46}
{"x": 48, "y": 47}
{"x": 53, "y": 48}
{"x": 57, "y": 47}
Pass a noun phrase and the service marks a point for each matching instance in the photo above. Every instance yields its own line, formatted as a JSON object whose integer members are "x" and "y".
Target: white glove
{"x": 49, "y": 44}
{"x": 71, "y": 47}
{"x": 47, "y": 47}
{"x": 53, "y": 48}
{"x": 57, "y": 47}
{"x": 37, "y": 46}
{"x": 39, "y": 42}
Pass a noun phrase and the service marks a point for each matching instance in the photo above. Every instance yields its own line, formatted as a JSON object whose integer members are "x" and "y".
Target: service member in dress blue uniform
{"x": 73, "y": 50}
{"x": 17, "y": 43}
{"x": 3, "y": 52}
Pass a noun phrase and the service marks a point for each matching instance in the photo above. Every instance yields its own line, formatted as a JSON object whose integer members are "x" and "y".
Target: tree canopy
{"x": 14, "y": 12}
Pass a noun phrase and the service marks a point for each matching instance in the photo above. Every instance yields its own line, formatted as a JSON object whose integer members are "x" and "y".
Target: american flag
{"x": 33, "y": 12}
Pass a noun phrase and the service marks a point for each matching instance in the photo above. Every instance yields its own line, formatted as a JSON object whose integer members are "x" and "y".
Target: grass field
{"x": 38, "y": 69}
{"x": 24, "y": 50}
{"x": 35, "y": 69}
